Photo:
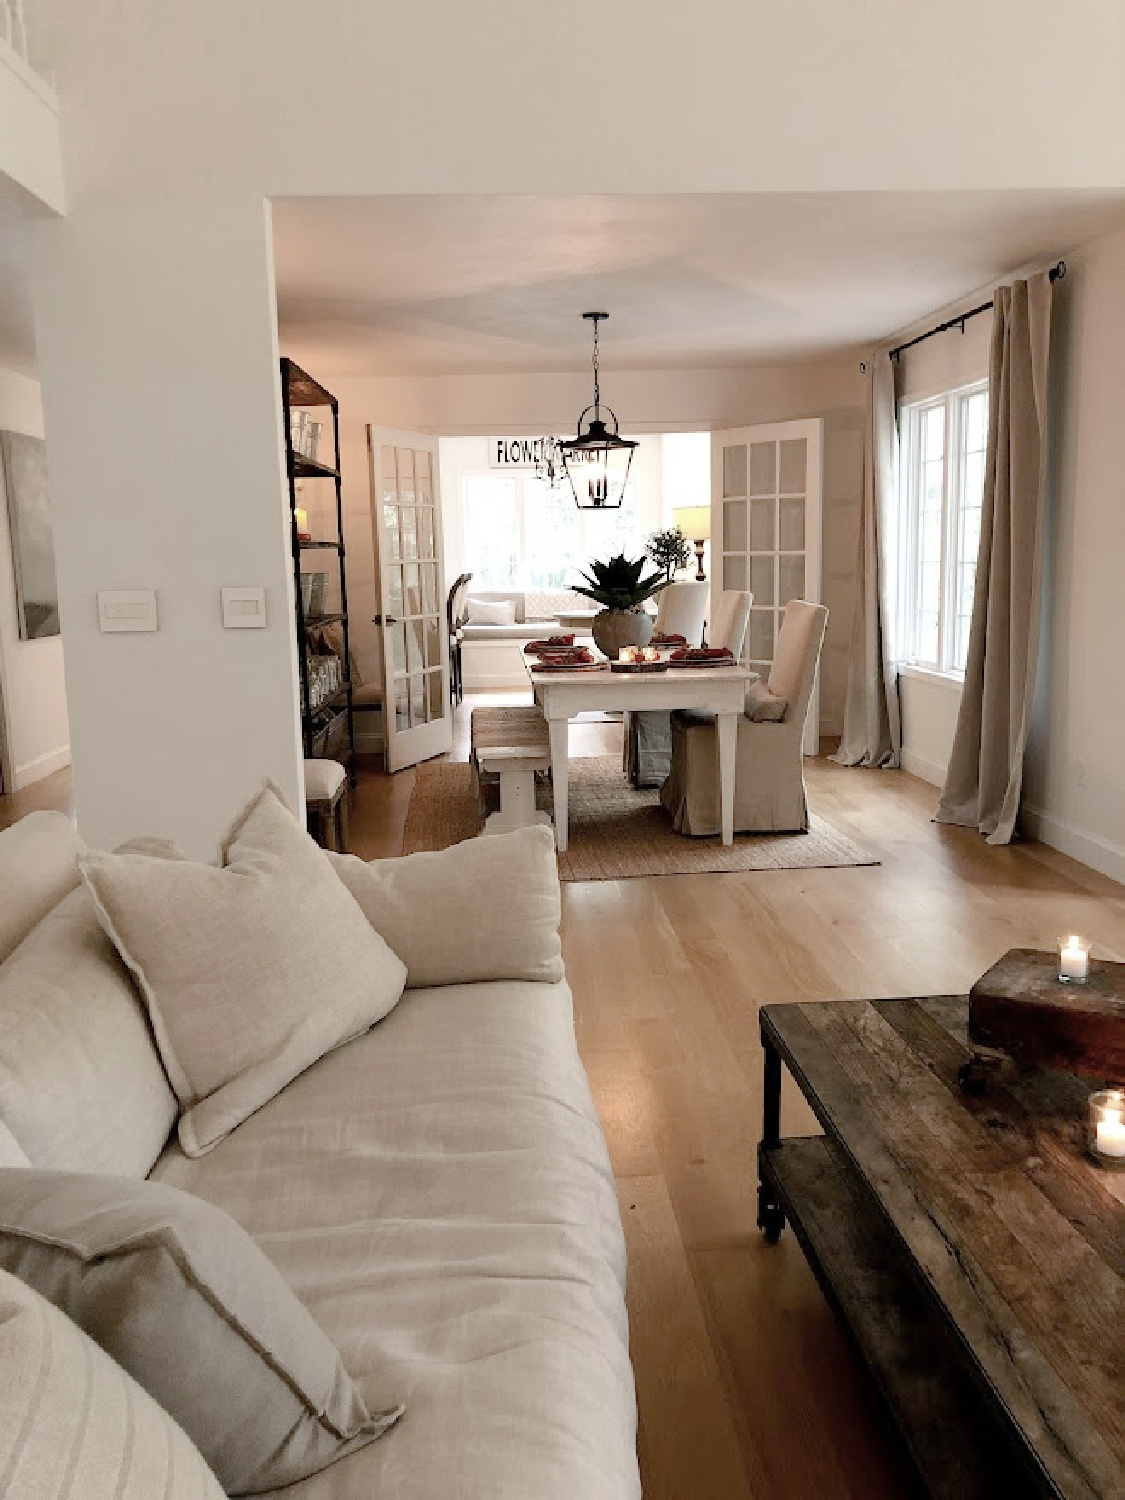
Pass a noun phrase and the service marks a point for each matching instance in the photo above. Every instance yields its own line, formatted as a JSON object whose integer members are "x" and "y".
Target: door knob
{"x": 384, "y": 620}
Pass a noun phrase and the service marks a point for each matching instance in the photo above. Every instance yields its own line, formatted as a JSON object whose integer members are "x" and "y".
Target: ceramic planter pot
{"x": 615, "y": 628}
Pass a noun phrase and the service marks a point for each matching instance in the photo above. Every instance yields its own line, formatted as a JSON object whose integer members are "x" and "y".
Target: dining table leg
{"x": 560, "y": 736}
{"x": 728, "y": 753}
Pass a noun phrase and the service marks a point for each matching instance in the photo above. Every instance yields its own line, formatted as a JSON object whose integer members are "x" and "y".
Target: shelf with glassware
{"x": 327, "y": 718}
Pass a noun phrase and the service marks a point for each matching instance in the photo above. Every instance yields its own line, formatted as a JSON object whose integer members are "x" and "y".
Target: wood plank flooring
{"x": 746, "y": 1384}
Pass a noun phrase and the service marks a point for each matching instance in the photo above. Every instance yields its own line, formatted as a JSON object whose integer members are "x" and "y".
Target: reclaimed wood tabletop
{"x": 1018, "y": 1235}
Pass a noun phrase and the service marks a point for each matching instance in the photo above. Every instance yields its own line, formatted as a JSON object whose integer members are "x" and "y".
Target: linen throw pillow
{"x": 181, "y": 1297}
{"x": 82, "y": 1088}
{"x": 38, "y": 866}
{"x": 488, "y": 908}
{"x": 763, "y": 706}
{"x": 491, "y": 612}
{"x": 73, "y": 1425}
{"x": 251, "y": 972}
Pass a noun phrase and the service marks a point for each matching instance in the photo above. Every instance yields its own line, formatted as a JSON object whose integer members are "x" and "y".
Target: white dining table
{"x": 717, "y": 690}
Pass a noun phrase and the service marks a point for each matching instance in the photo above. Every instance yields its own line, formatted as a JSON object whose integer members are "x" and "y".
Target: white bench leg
{"x": 517, "y": 803}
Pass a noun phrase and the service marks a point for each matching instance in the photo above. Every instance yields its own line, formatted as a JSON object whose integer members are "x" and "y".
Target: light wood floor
{"x": 745, "y": 1383}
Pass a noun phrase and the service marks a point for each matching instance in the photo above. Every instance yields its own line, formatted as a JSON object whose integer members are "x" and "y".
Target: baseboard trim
{"x": 42, "y": 765}
{"x": 924, "y": 768}
{"x": 1088, "y": 848}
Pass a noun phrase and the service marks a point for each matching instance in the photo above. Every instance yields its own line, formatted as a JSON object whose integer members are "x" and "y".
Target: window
{"x": 519, "y": 533}
{"x": 943, "y": 446}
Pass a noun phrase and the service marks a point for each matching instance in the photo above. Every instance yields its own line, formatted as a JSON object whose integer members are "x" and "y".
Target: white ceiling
{"x": 458, "y": 285}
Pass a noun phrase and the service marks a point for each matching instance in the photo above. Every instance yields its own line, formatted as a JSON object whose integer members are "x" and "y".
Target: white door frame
{"x": 812, "y": 430}
{"x": 408, "y": 745}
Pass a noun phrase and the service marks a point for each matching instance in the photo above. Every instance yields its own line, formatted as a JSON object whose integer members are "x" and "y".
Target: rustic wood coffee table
{"x": 974, "y": 1252}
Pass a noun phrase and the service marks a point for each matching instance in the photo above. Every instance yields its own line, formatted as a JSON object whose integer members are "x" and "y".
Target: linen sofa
{"x": 436, "y": 1191}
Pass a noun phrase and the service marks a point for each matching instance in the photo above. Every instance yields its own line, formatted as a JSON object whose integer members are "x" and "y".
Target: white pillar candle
{"x": 1074, "y": 959}
{"x": 1110, "y": 1134}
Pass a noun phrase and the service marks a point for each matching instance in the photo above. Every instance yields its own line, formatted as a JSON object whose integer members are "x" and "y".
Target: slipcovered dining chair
{"x": 681, "y": 609}
{"x": 769, "y": 777}
{"x": 648, "y": 736}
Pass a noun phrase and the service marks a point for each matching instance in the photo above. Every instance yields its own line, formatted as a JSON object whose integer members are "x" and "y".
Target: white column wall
{"x": 158, "y": 354}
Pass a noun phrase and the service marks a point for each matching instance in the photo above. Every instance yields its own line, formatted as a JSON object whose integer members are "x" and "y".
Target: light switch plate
{"x": 244, "y": 609}
{"x": 126, "y": 609}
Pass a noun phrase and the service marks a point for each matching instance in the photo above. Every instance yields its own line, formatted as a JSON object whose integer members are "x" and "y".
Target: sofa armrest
{"x": 486, "y": 909}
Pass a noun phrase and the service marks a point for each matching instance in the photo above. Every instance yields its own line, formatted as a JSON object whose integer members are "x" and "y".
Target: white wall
{"x": 155, "y": 334}
{"x": 1075, "y": 783}
{"x": 30, "y": 149}
{"x": 32, "y": 690}
{"x": 782, "y": 95}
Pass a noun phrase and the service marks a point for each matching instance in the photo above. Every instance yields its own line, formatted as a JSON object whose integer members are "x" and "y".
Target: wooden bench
{"x": 510, "y": 745}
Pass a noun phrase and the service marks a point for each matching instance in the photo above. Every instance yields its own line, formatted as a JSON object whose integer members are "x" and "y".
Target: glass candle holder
{"x": 1074, "y": 959}
{"x": 1105, "y": 1127}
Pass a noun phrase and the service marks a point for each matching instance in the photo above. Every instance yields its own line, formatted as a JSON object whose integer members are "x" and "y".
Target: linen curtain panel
{"x": 985, "y": 775}
{"x": 872, "y": 726}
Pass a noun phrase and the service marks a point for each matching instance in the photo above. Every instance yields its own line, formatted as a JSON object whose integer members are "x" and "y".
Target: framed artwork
{"x": 24, "y": 461}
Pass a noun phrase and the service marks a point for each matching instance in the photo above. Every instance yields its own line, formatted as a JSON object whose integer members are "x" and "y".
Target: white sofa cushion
{"x": 250, "y": 972}
{"x": 81, "y": 1085}
{"x": 181, "y": 1297}
{"x": 74, "y": 1425}
{"x": 483, "y": 909}
{"x": 38, "y": 866}
{"x": 439, "y": 1195}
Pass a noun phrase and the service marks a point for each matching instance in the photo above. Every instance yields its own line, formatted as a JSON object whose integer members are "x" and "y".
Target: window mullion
{"x": 945, "y": 571}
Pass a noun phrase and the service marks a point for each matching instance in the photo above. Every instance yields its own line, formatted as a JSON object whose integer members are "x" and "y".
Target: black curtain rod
{"x": 1056, "y": 273}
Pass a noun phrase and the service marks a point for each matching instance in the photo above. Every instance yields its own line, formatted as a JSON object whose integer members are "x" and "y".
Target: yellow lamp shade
{"x": 694, "y": 521}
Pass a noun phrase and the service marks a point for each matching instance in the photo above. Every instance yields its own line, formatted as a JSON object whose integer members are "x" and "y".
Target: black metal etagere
{"x": 320, "y": 723}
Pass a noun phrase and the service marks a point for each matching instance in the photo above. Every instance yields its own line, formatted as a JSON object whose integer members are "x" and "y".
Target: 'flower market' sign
{"x": 519, "y": 452}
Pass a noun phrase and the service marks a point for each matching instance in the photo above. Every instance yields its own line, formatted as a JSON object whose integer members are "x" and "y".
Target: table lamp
{"x": 695, "y": 523}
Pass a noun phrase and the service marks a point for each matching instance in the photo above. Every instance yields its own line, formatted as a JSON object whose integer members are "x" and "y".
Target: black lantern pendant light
{"x": 597, "y": 460}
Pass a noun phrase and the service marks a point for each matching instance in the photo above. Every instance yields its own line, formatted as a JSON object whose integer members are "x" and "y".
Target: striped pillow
{"x": 74, "y": 1425}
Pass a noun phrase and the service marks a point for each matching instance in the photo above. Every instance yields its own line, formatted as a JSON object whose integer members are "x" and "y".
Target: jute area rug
{"x": 617, "y": 831}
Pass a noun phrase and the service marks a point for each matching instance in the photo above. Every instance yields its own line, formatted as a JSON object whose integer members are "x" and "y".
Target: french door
{"x": 765, "y": 530}
{"x": 406, "y": 528}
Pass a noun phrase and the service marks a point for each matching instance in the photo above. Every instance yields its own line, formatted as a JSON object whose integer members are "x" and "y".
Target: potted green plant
{"x": 618, "y": 585}
{"x": 669, "y": 550}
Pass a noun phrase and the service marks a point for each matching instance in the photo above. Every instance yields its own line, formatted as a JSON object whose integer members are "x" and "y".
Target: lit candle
{"x": 625, "y": 654}
{"x": 302, "y": 523}
{"x": 1074, "y": 959}
{"x": 1107, "y": 1125}
{"x": 651, "y": 653}
{"x": 1111, "y": 1133}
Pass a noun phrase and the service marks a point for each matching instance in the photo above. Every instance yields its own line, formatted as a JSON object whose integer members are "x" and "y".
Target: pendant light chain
{"x": 597, "y": 386}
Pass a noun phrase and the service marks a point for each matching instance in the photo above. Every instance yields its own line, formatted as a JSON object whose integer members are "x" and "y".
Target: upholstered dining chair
{"x": 648, "y": 736}
{"x": 681, "y": 609}
{"x": 769, "y": 777}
